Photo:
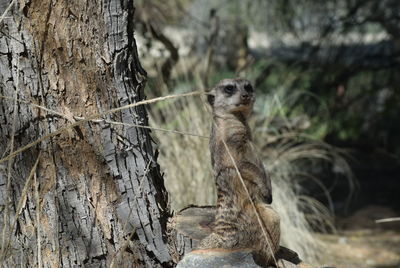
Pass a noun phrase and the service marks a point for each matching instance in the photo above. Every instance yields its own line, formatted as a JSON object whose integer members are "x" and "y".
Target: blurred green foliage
{"x": 335, "y": 61}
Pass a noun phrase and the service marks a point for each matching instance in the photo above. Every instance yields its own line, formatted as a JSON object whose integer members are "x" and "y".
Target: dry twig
{"x": 93, "y": 117}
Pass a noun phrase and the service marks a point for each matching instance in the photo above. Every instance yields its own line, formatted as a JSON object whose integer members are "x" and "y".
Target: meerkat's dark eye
{"x": 230, "y": 89}
{"x": 248, "y": 88}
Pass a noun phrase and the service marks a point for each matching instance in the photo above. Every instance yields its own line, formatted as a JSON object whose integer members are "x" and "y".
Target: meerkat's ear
{"x": 211, "y": 96}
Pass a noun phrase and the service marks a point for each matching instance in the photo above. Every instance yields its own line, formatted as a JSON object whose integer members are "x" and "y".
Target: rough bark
{"x": 101, "y": 196}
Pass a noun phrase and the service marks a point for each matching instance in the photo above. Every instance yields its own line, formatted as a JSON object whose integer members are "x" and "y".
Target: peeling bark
{"x": 102, "y": 198}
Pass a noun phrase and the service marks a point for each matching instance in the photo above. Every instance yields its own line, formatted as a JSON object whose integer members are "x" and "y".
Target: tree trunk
{"x": 96, "y": 197}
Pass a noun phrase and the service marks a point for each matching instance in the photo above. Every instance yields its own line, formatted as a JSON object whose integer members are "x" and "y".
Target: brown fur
{"x": 236, "y": 224}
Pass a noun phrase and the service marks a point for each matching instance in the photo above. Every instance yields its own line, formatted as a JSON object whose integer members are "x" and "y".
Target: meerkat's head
{"x": 232, "y": 96}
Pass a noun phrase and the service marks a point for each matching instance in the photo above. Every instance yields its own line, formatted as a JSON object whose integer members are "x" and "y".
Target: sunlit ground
{"x": 376, "y": 248}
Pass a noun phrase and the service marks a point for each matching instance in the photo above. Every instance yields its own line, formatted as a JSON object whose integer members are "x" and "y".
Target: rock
{"x": 192, "y": 224}
{"x": 218, "y": 258}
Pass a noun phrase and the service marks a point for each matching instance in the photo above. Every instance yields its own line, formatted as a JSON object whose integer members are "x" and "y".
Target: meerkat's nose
{"x": 244, "y": 96}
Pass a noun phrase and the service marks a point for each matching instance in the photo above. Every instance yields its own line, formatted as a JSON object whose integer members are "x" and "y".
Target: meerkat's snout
{"x": 245, "y": 97}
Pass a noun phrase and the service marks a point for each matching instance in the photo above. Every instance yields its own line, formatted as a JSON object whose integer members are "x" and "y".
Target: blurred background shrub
{"x": 327, "y": 117}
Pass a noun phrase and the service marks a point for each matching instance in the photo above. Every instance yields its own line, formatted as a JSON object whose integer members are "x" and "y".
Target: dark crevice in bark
{"x": 35, "y": 120}
{"x": 137, "y": 67}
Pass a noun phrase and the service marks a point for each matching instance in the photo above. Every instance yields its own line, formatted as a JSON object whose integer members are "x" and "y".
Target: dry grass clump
{"x": 287, "y": 154}
{"x": 291, "y": 156}
{"x": 185, "y": 159}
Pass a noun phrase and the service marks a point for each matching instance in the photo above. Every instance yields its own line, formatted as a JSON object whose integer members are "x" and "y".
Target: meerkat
{"x": 236, "y": 224}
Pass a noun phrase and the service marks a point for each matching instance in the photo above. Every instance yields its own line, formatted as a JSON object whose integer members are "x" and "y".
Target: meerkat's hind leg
{"x": 271, "y": 220}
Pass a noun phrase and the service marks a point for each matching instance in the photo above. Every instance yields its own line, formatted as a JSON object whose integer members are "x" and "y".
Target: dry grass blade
{"x": 265, "y": 232}
{"x": 125, "y": 244}
{"x": 155, "y": 128}
{"x": 6, "y": 11}
{"x": 107, "y": 121}
{"x": 38, "y": 234}
{"x": 122, "y": 249}
{"x": 92, "y": 117}
{"x": 8, "y": 194}
{"x": 21, "y": 204}
{"x": 36, "y": 105}
{"x": 388, "y": 220}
